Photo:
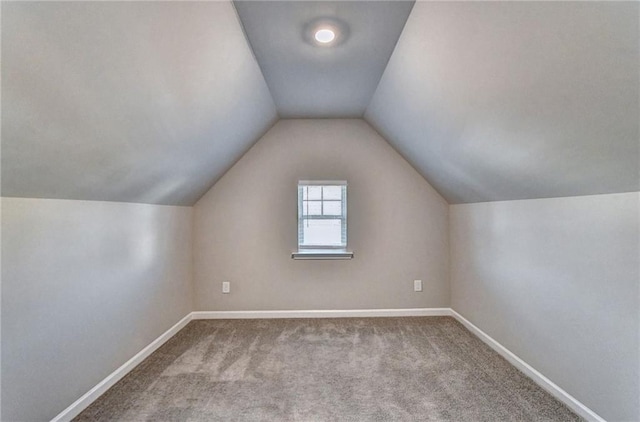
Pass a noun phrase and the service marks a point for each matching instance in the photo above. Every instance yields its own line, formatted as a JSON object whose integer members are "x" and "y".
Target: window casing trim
{"x": 302, "y": 217}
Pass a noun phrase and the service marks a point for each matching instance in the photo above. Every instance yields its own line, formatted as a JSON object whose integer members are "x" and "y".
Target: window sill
{"x": 322, "y": 254}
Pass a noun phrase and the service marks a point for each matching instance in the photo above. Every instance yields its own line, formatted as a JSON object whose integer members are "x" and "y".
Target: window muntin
{"x": 322, "y": 215}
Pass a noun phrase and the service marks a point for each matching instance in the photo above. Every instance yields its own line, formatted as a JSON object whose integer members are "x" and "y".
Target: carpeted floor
{"x": 352, "y": 369}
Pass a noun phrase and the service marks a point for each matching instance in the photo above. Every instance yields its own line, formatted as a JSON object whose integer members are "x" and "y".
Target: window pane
{"x": 322, "y": 232}
{"x": 332, "y": 192}
{"x": 311, "y": 207}
{"x": 312, "y": 192}
{"x": 332, "y": 208}
{"x": 320, "y": 223}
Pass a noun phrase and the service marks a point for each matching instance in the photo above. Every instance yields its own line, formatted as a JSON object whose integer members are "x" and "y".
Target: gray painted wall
{"x": 245, "y": 226}
{"x": 85, "y": 286}
{"x": 556, "y": 281}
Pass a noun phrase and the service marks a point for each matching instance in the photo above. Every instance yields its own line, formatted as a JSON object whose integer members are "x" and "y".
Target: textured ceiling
{"x": 126, "y": 101}
{"x": 152, "y": 101}
{"x": 512, "y": 100}
{"x": 307, "y": 80}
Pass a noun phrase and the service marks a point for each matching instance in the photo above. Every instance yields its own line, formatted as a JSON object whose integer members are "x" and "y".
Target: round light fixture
{"x": 325, "y": 35}
{"x": 324, "y": 32}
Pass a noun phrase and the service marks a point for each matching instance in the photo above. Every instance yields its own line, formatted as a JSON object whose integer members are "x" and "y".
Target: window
{"x": 322, "y": 220}
{"x": 322, "y": 215}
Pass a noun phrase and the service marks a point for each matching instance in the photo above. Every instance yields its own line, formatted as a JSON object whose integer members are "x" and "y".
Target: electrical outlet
{"x": 417, "y": 285}
{"x": 226, "y": 287}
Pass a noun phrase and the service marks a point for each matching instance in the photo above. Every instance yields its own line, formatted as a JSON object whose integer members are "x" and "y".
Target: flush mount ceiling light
{"x": 326, "y": 32}
{"x": 324, "y": 35}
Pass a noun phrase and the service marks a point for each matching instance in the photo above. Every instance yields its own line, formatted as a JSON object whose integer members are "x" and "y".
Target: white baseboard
{"x": 532, "y": 373}
{"x": 83, "y": 402}
{"x": 348, "y": 313}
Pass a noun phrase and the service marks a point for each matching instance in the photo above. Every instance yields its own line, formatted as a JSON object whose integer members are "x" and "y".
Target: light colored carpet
{"x": 352, "y": 369}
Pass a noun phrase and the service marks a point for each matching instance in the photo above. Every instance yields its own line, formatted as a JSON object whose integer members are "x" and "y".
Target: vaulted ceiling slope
{"x": 126, "y": 101}
{"x": 152, "y": 101}
{"x": 512, "y": 100}
{"x": 311, "y": 80}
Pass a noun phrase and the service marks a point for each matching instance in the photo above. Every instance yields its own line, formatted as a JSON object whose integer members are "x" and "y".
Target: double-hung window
{"x": 322, "y": 220}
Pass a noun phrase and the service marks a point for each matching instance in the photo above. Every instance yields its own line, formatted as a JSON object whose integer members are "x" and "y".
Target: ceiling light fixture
{"x": 325, "y": 32}
{"x": 325, "y": 35}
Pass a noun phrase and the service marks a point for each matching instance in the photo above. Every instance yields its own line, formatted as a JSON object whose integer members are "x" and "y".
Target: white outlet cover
{"x": 417, "y": 285}
{"x": 226, "y": 287}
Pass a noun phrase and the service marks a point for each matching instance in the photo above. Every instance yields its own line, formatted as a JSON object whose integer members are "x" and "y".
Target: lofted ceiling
{"x": 126, "y": 101}
{"x": 515, "y": 100}
{"x": 151, "y": 102}
{"x": 307, "y": 80}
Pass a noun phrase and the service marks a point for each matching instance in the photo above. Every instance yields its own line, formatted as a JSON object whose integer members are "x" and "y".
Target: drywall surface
{"x": 310, "y": 80}
{"x": 505, "y": 100}
{"x": 132, "y": 101}
{"x": 556, "y": 281}
{"x": 245, "y": 227}
{"x": 85, "y": 286}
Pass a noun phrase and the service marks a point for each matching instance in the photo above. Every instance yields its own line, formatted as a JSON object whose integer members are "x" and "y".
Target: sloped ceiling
{"x": 309, "y": 80}
{"x": 512, "y": 100}
{"x": 126, "y": 101}
{"x": 152, "y": 101}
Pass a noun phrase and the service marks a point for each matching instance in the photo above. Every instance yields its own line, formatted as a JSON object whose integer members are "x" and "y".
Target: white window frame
{"x": 322, "y": 251}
